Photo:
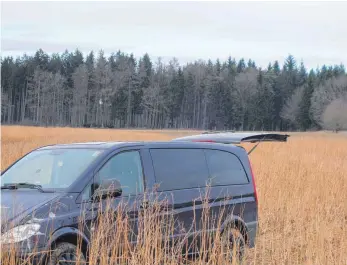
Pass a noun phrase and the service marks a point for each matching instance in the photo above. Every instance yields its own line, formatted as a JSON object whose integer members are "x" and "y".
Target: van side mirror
{"x": 108, "y": 188}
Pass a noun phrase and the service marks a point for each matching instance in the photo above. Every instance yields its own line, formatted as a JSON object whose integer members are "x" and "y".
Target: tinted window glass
{"x": 125, "y": 167}
{"x": 225, "y": 168}
{"x": 179, "y": 168}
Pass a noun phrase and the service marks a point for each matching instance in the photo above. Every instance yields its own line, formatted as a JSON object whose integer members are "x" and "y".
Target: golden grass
{"x": 302, "y": 188}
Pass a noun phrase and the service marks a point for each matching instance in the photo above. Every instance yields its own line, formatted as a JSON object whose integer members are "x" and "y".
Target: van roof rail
{"x": 210, "y": 132}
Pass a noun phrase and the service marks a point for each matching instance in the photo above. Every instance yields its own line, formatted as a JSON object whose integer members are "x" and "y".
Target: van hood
{"x": 15, "y": 203}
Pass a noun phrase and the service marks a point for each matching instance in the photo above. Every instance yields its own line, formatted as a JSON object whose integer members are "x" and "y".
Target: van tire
{"x": 66, "y": 251}
{"x": 233, "y": 244}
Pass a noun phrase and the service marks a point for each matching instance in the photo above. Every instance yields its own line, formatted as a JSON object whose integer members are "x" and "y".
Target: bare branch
{"x": 335, "y": 115}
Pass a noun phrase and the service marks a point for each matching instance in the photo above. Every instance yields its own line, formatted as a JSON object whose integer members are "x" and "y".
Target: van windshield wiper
{"x": 14, "y": 186}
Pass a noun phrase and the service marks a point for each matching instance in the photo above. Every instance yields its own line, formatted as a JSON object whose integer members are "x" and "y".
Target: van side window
{"x": 86, "y": 193}
{"x": 179, "y": 168}
{"x": 126, "y": 167}
{"x": 225, "y": 168}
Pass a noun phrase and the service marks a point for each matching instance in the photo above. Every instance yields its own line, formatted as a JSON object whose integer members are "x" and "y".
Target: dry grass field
{"x": 302, "y": 188}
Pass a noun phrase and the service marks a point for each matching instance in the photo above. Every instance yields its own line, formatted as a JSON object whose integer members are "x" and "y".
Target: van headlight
{"x": 20, "y": 233}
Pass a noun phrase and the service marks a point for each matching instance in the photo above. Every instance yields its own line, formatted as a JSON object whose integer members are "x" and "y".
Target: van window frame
{"x": 176, "y": 148}
{"x": 231, "y": 153}
{"x": 203, "y": 149}
{"x": 103, "y": 163}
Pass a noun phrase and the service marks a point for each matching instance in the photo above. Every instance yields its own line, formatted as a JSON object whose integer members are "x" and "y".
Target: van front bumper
{"x": 34, "y": 256}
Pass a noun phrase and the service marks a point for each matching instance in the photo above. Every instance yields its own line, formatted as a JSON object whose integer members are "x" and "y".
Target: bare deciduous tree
{"x": 79, "y": 107}
{"x": 244, "y": 89}
{"x": 105, "y": 89}
{"x": 4, "y": 103}
{"x": 334, "y": 116}
{"x": 324, "y": 94}
{"x": 291, "y": 108}
{"x": 46, "y": 98}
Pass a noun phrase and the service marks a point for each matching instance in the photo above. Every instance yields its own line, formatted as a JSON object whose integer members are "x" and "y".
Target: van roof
{"x": 116, "y": 144}
{"x": 213, "y": 137}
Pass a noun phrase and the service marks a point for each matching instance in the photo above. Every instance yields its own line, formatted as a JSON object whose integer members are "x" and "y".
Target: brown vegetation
{"x": 302, "y": 190}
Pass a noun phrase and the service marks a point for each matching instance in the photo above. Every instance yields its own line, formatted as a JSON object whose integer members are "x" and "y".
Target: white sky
{"x": 315, "y": 32}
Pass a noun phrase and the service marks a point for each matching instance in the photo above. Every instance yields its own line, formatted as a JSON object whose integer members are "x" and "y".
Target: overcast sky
{"x": 315, "y": 32}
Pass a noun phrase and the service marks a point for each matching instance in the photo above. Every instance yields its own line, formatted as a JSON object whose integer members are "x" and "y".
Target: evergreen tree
{"x": 41, "y": 59}
{"x": 241, "y": 66}
{"x": 276, "y": 68}
{"x": 304, "y": 118}
{"x": 290, "y": 63}
{"x": 302, "y": 75}
{"x": 269, "y": 67}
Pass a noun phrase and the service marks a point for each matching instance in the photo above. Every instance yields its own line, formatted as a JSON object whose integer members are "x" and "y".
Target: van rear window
{"x": 179, "y": 168}
{"x": 225, "y": 168}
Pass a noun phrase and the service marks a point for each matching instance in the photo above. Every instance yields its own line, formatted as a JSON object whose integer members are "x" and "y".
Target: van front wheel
{"x": 66, "y": 253}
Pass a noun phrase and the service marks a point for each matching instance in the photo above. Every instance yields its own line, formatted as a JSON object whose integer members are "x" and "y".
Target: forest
{"x": 119, "y": 91}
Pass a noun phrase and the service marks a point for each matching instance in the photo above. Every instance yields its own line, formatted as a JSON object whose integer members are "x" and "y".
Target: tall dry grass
{"x": 302, "y": 190}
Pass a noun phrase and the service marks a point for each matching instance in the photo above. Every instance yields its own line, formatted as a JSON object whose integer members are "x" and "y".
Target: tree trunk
{"x": 204, "y": 112}
{"x": 128, "y": 120}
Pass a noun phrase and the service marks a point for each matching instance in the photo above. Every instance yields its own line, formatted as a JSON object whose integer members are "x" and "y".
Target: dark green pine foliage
{"x": 136, "y": 92}
{"x": 7, "y": 89}
{"x": 302, "y": 75}
{"x": 41, "y": 59}
{"x": 276, "y": 68}
{"x": 278, "y": 100}
{"x": 188, "y": 100}
{"x": 264, "y": 101}
{"x": 269, "y": 68}
{"x": 174, "y": 96}
{"x": 232, "y": 69}
{"x": 144, "y": 81}
{"x": 241, "y": 66}
{"x": 91, "y": 96}
{"x": 55, "y": 63}
{"x": 305, "y": 120}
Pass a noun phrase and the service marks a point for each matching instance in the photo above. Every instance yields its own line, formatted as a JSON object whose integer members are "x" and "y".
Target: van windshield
{"x": 52, "y": 169}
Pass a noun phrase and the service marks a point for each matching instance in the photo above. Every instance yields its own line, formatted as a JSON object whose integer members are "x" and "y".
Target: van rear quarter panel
{"x": 235, "y": 201}
{"x": 240, "y": 205}
{"x": 225, "y": 202}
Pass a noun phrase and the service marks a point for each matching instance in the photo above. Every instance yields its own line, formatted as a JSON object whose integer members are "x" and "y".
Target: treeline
{"x": 119, "y": 91}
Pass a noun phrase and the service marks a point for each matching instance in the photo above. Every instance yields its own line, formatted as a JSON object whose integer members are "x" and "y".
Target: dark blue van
{"x": 42, "y": 193}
